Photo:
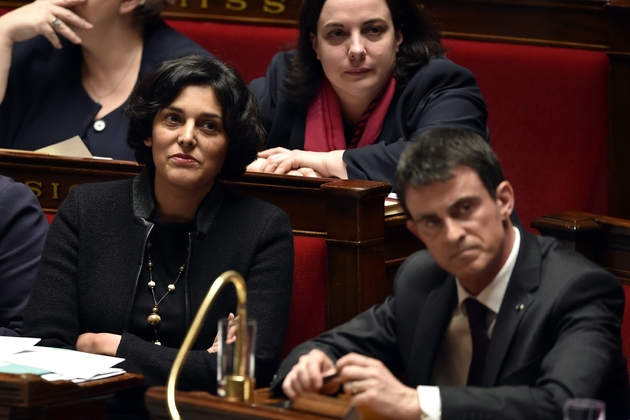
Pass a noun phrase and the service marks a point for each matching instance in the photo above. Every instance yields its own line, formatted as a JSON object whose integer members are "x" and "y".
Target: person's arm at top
{"x": 34, "y": 19}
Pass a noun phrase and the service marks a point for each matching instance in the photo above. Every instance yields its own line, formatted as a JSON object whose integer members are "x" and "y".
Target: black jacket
{"x": 564, "y": 342}
{"x": 439, "y": 94}
{"x": 92, "y": 257}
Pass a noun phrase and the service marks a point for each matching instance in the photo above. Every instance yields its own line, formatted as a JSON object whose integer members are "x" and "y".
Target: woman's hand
{"x": 300, "y": 162}
{"x": 101, "y": 343}
{"x": 37, "y": 18}
{"x": 230, "y": 338}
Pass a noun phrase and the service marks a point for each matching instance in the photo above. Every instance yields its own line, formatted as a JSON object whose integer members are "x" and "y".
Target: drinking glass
{"x": 584, "y": 409}
{"x": 226, "y": 357}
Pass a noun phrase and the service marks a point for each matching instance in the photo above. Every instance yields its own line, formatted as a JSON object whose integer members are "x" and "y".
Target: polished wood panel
{"x": 366, "y": 241}
{"x": 201, "y": 405}
{"x": 603, "y": 239}
{"x": 31, "y": 397}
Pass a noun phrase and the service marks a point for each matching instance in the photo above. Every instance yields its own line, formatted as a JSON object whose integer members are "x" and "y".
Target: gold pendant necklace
{"x": 155, "y": 319}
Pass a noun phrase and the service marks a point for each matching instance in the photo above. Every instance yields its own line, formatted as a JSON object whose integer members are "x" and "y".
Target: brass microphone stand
{"x": 238, "y": 387}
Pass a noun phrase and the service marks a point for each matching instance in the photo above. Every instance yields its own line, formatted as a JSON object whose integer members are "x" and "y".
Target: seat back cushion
{"x": 625, "y": 325}
{"x": 310, "y": 284}
{"x": 249, "y": 48}
{"x": 548, "y": 121}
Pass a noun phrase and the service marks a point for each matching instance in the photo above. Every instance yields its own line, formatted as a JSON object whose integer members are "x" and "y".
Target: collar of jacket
{"x": 144, "y": 203}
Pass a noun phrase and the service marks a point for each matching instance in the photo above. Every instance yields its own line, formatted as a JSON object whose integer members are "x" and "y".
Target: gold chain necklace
{"x": 154, "y": 319}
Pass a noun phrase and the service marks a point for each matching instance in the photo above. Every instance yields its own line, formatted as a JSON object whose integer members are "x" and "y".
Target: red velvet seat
{"x": 625, "y": 325}
{"x": 548, "y": 120}
{"x": 249, "y": 48}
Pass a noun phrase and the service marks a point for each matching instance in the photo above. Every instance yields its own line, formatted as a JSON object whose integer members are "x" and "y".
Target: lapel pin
{"x": 520, "y": 307}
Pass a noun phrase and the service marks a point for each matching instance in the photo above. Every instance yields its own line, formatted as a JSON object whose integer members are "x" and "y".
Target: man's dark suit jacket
{"x": 564, "y": 343}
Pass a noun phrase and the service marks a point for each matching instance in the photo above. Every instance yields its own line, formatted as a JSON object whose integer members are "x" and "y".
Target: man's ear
{"x": 505, "y": 199}
{"x": 314, "y": 44}
{"x": 128, "y": 6}
{"x": 413, "y": 229}
{"x": 148, "y": 142}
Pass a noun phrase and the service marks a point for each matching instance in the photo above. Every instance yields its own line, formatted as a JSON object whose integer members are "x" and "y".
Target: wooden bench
{"x": 348, "y": 243}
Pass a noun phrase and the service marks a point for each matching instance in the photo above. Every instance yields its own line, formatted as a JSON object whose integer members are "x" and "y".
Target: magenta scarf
{"x": 324, "y": 127}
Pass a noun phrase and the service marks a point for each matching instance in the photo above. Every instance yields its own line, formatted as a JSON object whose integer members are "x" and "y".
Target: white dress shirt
{"x": 453, "y": 358}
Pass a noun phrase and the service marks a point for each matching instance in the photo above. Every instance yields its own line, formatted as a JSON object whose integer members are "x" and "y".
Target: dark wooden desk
{"x": 603, "y": 239}
{"x": 31, "y": 397}
{"x": 366, "y": 241}
{"x": 201, "y": 405}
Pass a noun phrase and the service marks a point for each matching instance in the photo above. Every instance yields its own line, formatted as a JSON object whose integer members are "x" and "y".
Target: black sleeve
{"x": 440, "y": 94}
{"x": 23, "y": 229}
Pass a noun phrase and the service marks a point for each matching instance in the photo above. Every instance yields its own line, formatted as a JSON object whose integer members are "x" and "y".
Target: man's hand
{"x": 307, "y": 375}
{"x": 372, "y": 385}
{"x": 101, "y": 343}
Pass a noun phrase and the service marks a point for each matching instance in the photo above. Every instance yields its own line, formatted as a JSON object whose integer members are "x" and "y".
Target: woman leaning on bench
{"x": 367, "y": 75}
{"x": 115, "y": 249}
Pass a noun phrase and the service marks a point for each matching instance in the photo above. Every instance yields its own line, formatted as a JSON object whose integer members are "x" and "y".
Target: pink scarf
{"x": 324, "y": 127}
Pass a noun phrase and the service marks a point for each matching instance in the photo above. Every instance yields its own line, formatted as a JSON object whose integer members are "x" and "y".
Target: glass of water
{"x": 584, "y": 409}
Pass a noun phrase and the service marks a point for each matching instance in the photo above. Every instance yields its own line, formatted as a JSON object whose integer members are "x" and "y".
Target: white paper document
{"x": 59, "y": 364}
{"x": 74, "y": 147}
{"x": 12, "y": 345}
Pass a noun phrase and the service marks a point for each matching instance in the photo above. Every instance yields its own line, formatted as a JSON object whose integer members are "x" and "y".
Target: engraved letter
{"x": 55, "y": 191}
{"x": 274, "y": 6}
{"x": 236, "y": 5}
{"x": 35, "y": 186}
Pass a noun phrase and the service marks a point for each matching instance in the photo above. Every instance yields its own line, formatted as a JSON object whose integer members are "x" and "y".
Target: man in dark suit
{"x": 490, "y": 322}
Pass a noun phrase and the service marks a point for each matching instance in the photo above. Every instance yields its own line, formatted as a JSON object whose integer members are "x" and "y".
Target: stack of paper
{"x": 20, "y": 355}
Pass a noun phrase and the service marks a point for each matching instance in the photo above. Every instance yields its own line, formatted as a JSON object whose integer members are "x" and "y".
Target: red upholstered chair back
{"x": 49, "y": 217}
{"x": 625, "y": 325}
{"x": 308, "y": 316}
{"x": 249, "y": 48}
{"x": 548, "y": 120}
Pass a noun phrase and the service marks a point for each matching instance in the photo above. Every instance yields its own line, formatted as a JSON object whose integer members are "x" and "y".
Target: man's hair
{"x": 433, "y": 155}
{"x": 421, "y": 41}
{"x": 163, "y": 84}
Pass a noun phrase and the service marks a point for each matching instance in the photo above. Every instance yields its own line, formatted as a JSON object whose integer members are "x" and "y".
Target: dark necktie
{"x": 476, "y": 312}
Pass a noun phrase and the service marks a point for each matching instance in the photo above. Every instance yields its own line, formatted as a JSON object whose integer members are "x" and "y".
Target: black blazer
{"x": 564, "y": 343}
{"x": 88, "y": 276}
{"x": 439, "y": 94}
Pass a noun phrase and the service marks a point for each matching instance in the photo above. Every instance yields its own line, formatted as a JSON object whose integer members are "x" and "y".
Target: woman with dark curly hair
{"x": 127, "y": 263}
{"x": 367, "y": 76}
